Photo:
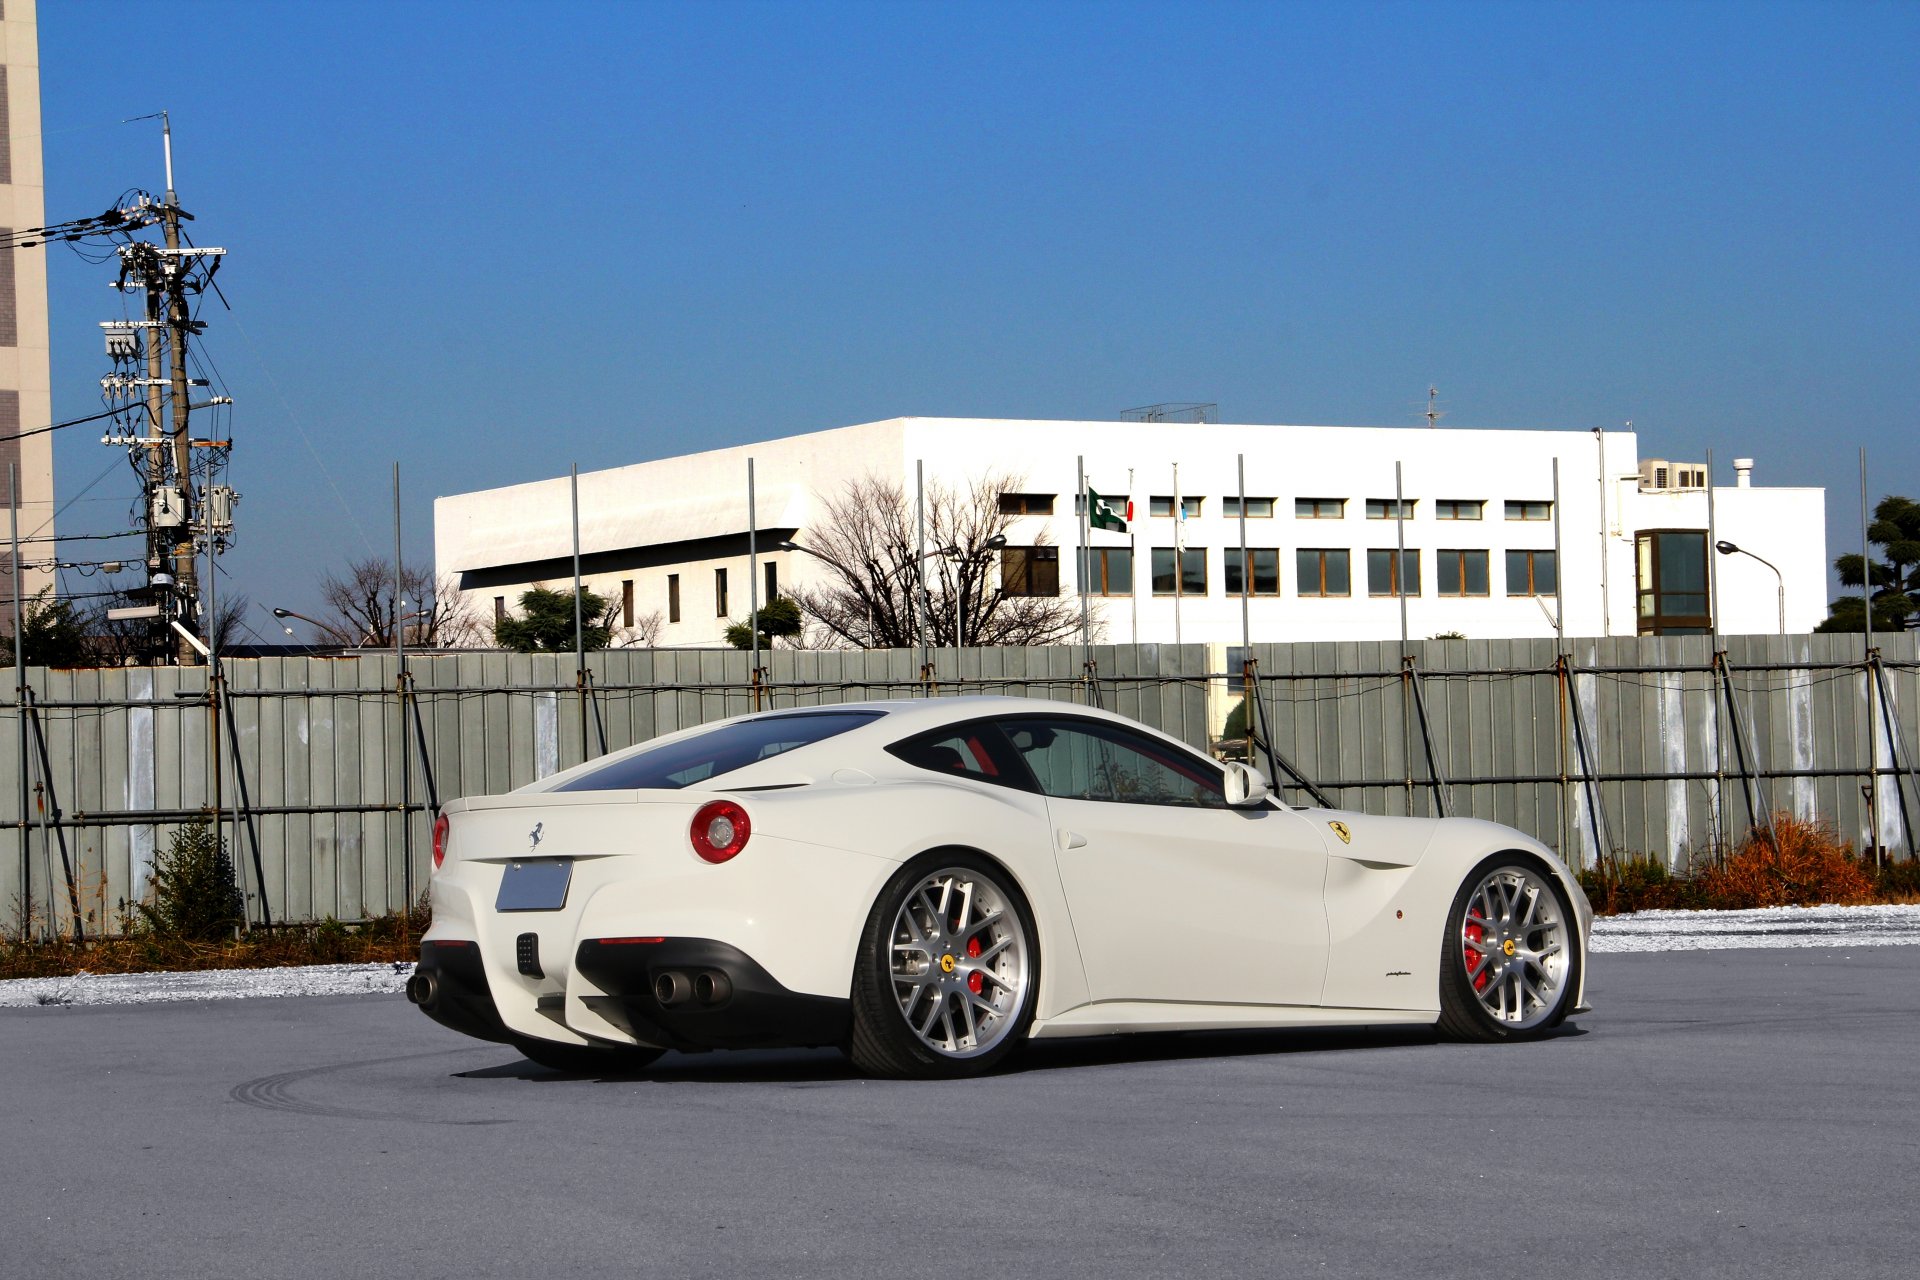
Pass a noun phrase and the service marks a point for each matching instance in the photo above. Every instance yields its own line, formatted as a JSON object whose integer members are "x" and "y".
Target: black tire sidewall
{"x": 1456, "y": 989}
{"x": 876, "y": 966}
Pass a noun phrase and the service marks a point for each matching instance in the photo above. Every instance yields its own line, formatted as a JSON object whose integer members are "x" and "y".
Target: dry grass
{"x": 1811, "y": 867}
{"x": 392, "y": 937}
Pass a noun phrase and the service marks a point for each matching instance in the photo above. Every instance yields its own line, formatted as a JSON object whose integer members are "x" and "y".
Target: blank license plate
{"x": 538, "y": 884}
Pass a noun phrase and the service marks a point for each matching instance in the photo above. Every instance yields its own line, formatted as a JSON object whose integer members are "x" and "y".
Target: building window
{"x": 1323, "y": 571}
{"x": 499, "y": 610}
{"x": 1163, "y": 506}
{"x": 1529, "y": 511}
{"x": 673, "y": 597}
{"x": 1262, "y": 564}
{"x": 1532, "y": 573}
{"x": 719, "y": 593}
{"x": 1257, "y": 508}
{"x": 1193, "y": 571}
{"x": 1672, "y": 565}
{"x": 1461, "y": 573}
{"x": 1388, "y": 575}
{"x": 1458, "y": 508}
{"x": 1030, "y": 571}
{"x": 773, "y": 581}
{"x": 626, "y": 602}
{"x": 1319, "y": 508}
{"x": 1026, "y": 504}
{"x": 1110, "y": 571}
{"x": 1391, "y": 508}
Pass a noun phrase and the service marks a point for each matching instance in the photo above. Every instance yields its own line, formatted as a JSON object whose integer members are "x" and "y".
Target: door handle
{"x": 1071, "y": 839}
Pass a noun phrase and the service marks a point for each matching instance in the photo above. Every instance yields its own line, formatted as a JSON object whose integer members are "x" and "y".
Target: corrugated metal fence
{"x": 325, "y": 775}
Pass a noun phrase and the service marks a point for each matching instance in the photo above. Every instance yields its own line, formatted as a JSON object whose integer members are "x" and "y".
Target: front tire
{"x": 1510, "y": 958}
{"x": 586, "y": 1059}
{"x": 948, "y": 971}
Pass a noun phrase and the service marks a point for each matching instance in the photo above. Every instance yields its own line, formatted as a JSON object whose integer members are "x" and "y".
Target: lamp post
{"x": 1726, "y": 548}
{"x": 330, "y": 630}
{"x": 995, "y": 543}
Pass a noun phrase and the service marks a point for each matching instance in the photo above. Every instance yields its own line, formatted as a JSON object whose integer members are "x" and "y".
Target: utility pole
{"x": 170, "y": 275}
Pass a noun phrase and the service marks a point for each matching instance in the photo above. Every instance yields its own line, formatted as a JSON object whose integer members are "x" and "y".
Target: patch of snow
{"x": 1885, "y": 926}
{"x": 206, "y": 984}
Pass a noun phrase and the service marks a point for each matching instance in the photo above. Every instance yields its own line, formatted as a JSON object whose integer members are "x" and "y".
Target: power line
{"x": 71, "y": 422}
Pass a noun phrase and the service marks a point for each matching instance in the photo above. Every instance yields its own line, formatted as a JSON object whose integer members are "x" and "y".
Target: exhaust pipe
{"x": 671, "y": 988}
{"x": 423, "y": 988}
{"x": 711, "y": 987}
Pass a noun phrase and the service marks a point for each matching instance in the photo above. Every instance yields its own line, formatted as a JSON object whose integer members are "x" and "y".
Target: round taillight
{"x": 720, "y": 830}
{"x": 440, "y": 825}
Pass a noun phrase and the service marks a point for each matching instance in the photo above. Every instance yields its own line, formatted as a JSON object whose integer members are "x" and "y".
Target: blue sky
{"x": 488, "y": 240}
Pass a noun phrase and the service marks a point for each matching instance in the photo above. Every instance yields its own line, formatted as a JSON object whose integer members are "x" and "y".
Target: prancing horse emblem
{"x": 1340, "y": 829}
{"x": 534, "y": 835}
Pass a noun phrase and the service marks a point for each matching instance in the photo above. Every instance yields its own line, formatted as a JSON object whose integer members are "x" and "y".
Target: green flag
{"x": 1102, "y": 516}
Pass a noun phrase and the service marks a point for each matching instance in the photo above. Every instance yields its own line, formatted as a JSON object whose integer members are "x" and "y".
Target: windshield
{"x": 684, "y": 763}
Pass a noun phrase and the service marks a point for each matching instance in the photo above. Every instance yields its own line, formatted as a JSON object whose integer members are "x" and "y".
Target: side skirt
{"x": 1110, "y": 1016}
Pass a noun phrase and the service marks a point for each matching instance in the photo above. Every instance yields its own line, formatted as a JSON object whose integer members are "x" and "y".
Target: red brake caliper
{"x": 975, "y": 983}
{"x": 1476, "y": 962}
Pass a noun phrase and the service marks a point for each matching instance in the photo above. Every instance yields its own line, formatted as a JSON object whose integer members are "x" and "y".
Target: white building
{"x": 1482, "y": 517}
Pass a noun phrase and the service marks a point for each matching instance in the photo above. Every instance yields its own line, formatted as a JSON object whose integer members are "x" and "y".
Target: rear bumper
{"x": 676, "y": 993}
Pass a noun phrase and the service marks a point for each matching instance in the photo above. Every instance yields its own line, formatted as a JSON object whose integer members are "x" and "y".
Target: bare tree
{"x": 643, "y": 634}
{"x": 877, "y": 582}
{"x": 361, "y": 609}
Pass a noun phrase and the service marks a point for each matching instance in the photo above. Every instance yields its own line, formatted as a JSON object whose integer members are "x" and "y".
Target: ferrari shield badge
{"x": 1340, "y": 829}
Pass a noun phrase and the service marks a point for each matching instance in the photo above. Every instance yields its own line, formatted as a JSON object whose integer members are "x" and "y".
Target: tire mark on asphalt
{"x": 276, "y": 1092}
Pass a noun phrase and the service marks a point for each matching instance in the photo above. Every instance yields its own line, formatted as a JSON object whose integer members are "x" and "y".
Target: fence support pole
{"x": 50, "y": 801}
{"x": 1759, "y": 815}
{"x": 1896, "y": 744}
{"x": 243, "y": 811}
{"x": 1589, "y": 766}
{"x": 1442, "y": 793}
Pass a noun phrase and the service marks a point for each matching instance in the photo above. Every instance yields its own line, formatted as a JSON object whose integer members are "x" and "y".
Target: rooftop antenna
{"x": 1433, "y": 415}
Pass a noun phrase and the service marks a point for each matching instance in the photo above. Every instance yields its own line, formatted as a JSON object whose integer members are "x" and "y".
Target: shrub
{"x": 1811, "y": 866}
{"x": 195, "y": 897}
{"x": 1637, "y": 882}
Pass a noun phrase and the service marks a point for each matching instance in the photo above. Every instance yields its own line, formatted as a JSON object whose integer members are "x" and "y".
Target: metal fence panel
{"x": 311, "y": 751}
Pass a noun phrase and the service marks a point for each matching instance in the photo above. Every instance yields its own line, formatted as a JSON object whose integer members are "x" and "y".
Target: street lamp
{"x": 1726, "y": 548}
{"x": 995, "y": 543}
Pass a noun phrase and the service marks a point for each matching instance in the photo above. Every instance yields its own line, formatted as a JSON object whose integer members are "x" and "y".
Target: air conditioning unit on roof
{"x": 1659, "y": 475}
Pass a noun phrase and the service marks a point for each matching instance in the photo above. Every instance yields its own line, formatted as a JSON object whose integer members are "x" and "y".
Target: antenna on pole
{"x": 1433, "y": 415}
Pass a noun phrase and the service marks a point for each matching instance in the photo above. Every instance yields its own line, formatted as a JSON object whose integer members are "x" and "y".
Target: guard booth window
{"x": 1672, "y": 582}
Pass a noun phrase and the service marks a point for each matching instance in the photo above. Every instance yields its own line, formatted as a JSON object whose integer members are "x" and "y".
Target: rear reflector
{"x": 625, "y": 942}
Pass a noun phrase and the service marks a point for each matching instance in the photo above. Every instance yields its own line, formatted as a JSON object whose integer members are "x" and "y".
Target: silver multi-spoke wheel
{"x": 1515, "y": 946}
{"x": 960, "y": 962}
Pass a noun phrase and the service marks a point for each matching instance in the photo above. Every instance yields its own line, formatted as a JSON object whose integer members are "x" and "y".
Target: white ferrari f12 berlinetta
{"x": 929, "y": 883}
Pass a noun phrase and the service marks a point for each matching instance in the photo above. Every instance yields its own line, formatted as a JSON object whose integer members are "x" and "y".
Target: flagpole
{"x": 1179, "y": 552}
{"x": 1133, "y": 563}
{"x": 1086, "y": 628}
{"x": 1246, "y": 570}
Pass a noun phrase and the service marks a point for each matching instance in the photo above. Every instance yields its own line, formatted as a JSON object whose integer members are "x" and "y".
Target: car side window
{"x": 1092, "y": 760}
{"x": 978, "y": 751}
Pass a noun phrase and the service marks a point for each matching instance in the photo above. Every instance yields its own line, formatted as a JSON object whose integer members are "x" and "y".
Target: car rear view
{"x": 636, "y": 903}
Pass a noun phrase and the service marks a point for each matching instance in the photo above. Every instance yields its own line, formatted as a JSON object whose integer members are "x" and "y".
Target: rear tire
{"x": 585, "y": 1059}
{"x": 948, "y": 971}
{"x": 1510, "y": 957}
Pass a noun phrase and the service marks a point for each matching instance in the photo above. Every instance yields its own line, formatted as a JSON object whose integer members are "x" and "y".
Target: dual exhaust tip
{"x": 675, "y": 988}
{"x": 423, "y": 988}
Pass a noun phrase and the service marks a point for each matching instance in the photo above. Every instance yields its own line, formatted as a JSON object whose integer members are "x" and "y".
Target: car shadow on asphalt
{"x": 800, "y": 1067}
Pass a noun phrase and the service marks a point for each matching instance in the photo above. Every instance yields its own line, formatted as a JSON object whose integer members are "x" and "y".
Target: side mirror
{"x": 1245, "y": 786}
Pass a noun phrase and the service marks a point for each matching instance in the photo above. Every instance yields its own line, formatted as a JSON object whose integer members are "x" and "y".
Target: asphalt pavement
{"x": 1726, "y": 1113}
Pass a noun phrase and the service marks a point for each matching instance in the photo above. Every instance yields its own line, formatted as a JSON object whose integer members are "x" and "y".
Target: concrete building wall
{"x": 686, "y": 516}
{"x": 26, "y": 398}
